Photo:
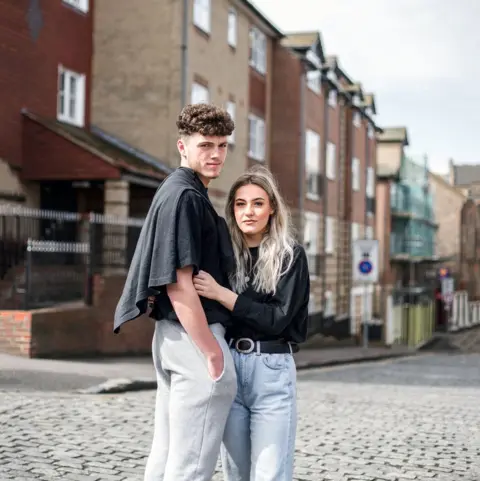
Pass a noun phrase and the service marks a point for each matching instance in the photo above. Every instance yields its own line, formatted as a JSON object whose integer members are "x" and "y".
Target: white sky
{"x": 421, "y": 59}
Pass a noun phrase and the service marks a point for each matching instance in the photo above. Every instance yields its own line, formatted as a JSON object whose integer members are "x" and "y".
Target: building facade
{"x": 406, "y": 223}
{"x": 469, "y": 265}
{"x": 329, "y": 128}
{"x": 150, "y": 62}
{"x": 448, "y": 202}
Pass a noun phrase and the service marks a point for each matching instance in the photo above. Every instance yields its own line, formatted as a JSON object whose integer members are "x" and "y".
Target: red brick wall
{"x": 285, "y": 140}
{"x": 15, "y": 327}
{"x": 48, "y": 155}
{"x": 76, "y": 330}
{"x": 28, "y": 77}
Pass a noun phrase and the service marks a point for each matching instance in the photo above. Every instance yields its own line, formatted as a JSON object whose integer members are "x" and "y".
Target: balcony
{"x": 417, "y": 246}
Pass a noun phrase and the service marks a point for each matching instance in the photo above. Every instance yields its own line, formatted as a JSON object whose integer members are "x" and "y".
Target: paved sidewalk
{"x": 121, "y": 374}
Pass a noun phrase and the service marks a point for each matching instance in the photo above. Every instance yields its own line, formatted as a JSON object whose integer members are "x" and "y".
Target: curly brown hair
{"x": 205, "y": 119}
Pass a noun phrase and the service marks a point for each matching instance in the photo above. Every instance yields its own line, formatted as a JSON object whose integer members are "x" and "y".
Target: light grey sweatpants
{"x": 191, "y": 408}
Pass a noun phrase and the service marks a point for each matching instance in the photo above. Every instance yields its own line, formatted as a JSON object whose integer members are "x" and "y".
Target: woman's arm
{"x": 206, "y": 286}
{"x": 273, "y": 316}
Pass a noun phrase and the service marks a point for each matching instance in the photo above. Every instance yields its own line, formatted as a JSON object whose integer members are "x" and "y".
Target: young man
{"x": 182, "y": 235}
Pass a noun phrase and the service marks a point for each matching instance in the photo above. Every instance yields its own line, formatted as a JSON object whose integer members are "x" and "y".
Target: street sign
{"x": 448, "y": 289}
{"x": 365, "y": 261}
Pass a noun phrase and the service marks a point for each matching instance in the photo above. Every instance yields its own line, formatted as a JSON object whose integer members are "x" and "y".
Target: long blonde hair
{"x": 276, "y": 248}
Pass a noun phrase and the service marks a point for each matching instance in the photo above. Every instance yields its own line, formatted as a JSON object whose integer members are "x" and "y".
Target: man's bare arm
{"x": 189, "y": 310}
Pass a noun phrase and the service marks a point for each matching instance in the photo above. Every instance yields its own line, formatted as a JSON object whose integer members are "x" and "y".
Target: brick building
{"x": 48, "y": 148}
{"x": 149, "y": 62}
{"x": 469, "y": 265}
{"x": 323, "y": 151}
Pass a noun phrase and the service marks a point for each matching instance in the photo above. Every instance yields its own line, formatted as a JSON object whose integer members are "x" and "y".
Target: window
{"x": 370, "y": 189}
{"x": 355, "y": 231}
{"x": 256, "y": 129}
{"x": 231, "y": 107}
{"x": 355, "y": 174}
{"x": 81, "y": 5}
{"x": 201, "y": 14}
{"x": 232, "y": 27}
{"x": 331, "y": 160}
{"x": 200, "y": 94}
{"x": 312, "y": 164}
{"x": 332, "y": 98}
{"x": 314, "y": 81}
{"x": 369, "y": 232}
{"x": 329, "y": 235}
{"x": 371, "y": 131}
{"x": 357, "y": 119}
{"x": 310, "y": 242}
{"x": 71, "y": 97}
{"x": 258, "y": 50}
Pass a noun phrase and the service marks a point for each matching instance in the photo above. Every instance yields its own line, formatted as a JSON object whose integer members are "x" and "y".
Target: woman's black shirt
{"x": 284, "y": 315}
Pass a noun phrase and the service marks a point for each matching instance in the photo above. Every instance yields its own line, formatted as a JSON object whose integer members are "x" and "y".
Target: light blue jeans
{"x": 259, "y": 439}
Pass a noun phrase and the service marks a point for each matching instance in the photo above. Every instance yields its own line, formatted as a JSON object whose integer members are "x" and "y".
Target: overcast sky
{"x": 419, "y": 57}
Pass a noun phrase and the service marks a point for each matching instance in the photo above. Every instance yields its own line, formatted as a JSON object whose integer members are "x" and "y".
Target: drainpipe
{"x": 301, "y": 176}
{"x": 184, "y": 54}
{"x": 326, "y": 110}
{"x": 341, "y": 191}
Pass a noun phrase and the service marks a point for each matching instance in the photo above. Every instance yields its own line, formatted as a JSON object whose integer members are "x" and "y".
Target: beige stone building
{"x": 150, "y": 61}
{"x": 448, "y": 202}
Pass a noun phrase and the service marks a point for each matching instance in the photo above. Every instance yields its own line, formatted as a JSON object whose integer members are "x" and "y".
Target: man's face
{"x": 204, "y": 154}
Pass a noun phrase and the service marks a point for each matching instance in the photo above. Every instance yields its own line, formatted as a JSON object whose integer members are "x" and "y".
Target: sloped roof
{"x": 303, "y": 41}
{"x": 394, "y": 134}
{"x": 466, "y": 174}
{"x": 105, "y": 150}
{"x": 369, "y": 100}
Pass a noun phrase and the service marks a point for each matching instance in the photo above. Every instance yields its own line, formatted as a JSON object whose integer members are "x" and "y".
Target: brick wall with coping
{"x": 76, "y": 330}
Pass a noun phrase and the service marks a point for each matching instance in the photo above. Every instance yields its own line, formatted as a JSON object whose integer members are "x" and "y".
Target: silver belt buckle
{"x": 244, "y": 351}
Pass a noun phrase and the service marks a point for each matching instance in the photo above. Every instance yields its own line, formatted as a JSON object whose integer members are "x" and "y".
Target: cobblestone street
{"x": 408, "y": 419}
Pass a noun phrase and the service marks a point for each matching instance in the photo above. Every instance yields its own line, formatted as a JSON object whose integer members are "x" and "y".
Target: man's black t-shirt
{"x": 196, "y": 244}
{"x": 181, "y": 229}
{"x": 283, "y": 315}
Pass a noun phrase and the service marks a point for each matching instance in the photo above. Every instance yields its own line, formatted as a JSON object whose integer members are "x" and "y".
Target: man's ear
{"x": 182, "y": 146}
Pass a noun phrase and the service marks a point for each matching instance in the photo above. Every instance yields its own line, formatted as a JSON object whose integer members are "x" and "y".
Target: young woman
{"x": 269, "y": 305}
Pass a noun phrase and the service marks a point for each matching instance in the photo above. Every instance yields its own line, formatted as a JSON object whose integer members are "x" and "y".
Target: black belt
{"x": 244, "y": 345}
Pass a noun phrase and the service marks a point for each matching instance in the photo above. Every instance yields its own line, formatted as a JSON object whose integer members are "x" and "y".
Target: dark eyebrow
{"x": 243, "y": 200}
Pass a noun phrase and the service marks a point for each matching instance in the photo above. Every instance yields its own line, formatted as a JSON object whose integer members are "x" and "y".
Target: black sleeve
{"x": 178, "y": 239}
{"x": 189, "y": 219}
{"x": 290, "y": 300}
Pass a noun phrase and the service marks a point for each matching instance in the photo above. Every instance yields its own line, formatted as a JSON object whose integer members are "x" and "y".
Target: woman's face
{"x": 252, "y": 211}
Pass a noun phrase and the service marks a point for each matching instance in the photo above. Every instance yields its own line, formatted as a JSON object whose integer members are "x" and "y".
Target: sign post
{"x": 365, "y": 272}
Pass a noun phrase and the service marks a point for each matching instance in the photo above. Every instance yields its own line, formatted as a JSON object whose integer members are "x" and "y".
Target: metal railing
{"x": 48, "y": 257}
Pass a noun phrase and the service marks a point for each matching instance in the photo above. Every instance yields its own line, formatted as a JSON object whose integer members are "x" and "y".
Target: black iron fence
{"x": 48, "y": 257}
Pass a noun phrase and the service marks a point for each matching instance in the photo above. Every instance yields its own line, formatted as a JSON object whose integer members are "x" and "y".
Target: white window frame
{"x": 329, "y": 235}
{"x": 258, "y": 50}
{"x": 256, "y": 133}
{"x": 81, "y": 5}
{"x": 370, "y": 188}
{"x": 200, "y": 94}
{"x": 77, "y": 117}
{"x": 357, "y": 119}
{"x": 202, "y": 14}
{"x": 369, "y": 232}
{"x": 312, "y": 163}
{"x": 332, "y": 98}
{"x": 356, "y": 174}
{"x": 232, "y": 28}
{"x": 310, "y": 238}
{"x": 231, "y": 108}
{"x": 331, "y": 161}
{"x": 355, "y": 231}
{"x": 314, "y": 81}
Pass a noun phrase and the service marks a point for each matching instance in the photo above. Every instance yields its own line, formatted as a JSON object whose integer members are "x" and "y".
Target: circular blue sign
{"x": 365, "y": 267}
